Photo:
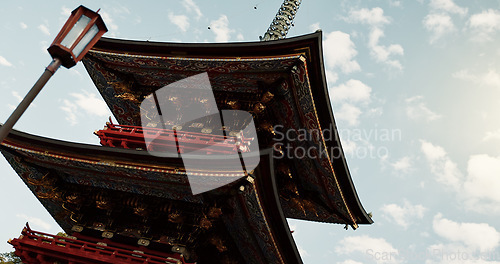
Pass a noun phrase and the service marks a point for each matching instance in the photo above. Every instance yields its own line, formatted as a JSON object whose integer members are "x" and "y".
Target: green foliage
{"x": 62, "y": 234}
{"x": 10, "y": 258}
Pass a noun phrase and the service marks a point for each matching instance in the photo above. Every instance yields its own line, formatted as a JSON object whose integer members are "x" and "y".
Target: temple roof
{"x": 133, "y": 194}
{"x": 292, "y": 70}
{"x": 132, "y": 197}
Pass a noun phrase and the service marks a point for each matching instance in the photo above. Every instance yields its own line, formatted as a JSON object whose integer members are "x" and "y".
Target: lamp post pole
{"x": 49, "y": 71}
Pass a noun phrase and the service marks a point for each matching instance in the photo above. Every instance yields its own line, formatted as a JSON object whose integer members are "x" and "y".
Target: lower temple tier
{"x": 40, "y": 248}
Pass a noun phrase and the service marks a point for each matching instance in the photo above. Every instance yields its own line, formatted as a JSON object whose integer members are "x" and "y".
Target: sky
{"x": 415, "y": 89}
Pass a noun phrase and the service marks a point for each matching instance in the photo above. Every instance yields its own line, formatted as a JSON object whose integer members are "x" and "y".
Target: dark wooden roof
{"x": 97, "y": 190}
{"x": 125, "y": 71}
{"x": 131, "y": 192}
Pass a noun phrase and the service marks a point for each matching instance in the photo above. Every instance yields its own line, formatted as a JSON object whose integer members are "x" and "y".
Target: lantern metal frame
{"x": 66, "y": 54}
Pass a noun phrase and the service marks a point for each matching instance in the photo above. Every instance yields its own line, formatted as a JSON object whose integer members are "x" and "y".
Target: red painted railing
{"x": 133, "y": 137}
{"x": 36, "y": 247}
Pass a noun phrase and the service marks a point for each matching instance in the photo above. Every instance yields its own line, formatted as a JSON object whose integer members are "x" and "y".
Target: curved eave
{"x": 268, "y": 189}
{"x": 81, "y": 150}
{"x": 265, "y": 185}
{"x": 325, "y": 115}
{"x": 142, "y": 159}
{"x": 231, "y": 49}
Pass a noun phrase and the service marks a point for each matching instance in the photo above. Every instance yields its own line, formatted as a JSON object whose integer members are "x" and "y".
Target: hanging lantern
{"x": 80, "y": 32}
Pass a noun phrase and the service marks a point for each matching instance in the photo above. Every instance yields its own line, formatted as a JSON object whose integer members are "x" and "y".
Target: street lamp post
{"x": 81, "y": 31}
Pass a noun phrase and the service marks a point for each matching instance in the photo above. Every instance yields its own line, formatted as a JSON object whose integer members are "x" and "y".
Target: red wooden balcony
{"x": 135, "y": 137}
{"x": 40, "y": 248}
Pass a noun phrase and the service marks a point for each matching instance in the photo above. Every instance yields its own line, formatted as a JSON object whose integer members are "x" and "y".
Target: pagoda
{"x": 122, "y": 203}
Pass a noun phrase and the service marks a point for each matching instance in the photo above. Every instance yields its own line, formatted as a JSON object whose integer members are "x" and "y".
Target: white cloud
{"x": 75, "y": 72}
{"x": 377, "y": 111}
{"x": 383, "y": 53}
{"x": 83, "y": 104}
{"x": 347, "y": 95}
{"x": 349, "y": 147}
{"x": 348, "y": 113}
{"x": 180, "y": 21}
{"x": 492, "y": 135}
{"x": 478, "y": 189}
{"x": 394, "y": 3}
{"x": 482, "y": 237}
{"x": 445, "y": 170}
{"x": 488, "y": 20}
{"x": 303, "y": 252}
{"x": 352, "y": 91}
{"x": 447, "y": 6}
{"x": 120, "y": 9}
{"x": 340, "y": 52}
{"x": 44, "y": 29}
{"x": 35, "y": 222}
{"x": 23, "y": 25}
{"x": 65, "y": 11}
{"x": 220, "y": 27}
{"x": 71, "y": 111}
{"x": 349, "y": 261}
{"x": 403, "y": 165}
{"x": 457, "y": 253}
{"x": 376, "y": 20}
{"x": 191, "y": 6}
{"x": 5, "y": 62}
{"x": 370, "y": 246}
{"x": 432, "y": 152}
{"x": 490, "y": 78}
{"x": 43, "y": 46}
{"x": 403, "y": 215}
{"x": 374, "y": 16}
{"x": 485, "y": 24}
{"x": 439, "y": 25}
{"x": 331, "y": 76}
{"x": 18, "y": 97}
{"x": 482, "y": 185}
{"x": 314, "y": 27}
{"x": 108, "y": 20}
{"x": 417, "y": 110}
{"x": 439, "y": 22}
{"x": 91, "y": 104}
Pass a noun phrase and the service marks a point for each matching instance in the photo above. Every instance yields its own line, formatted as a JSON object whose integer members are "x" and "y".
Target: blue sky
{"x": 415, "y": 89}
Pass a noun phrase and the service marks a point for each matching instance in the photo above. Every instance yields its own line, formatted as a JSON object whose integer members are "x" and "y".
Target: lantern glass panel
{"x": 85, "y": 40}
{"x": 77, "y": 29}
